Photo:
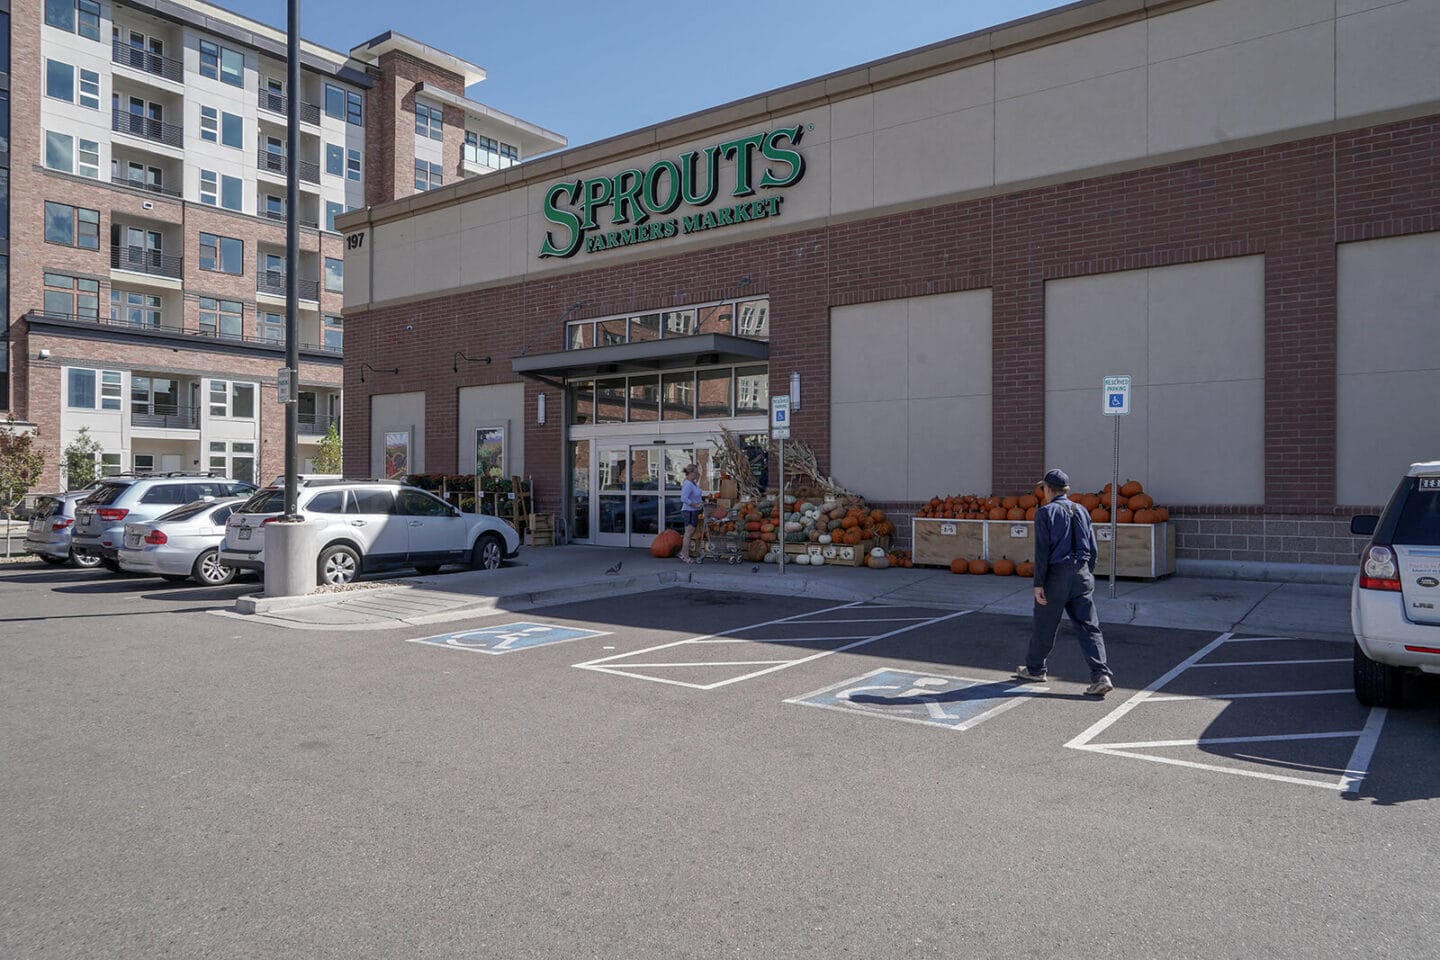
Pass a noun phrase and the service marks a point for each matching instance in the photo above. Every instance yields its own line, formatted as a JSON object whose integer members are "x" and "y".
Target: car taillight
{"x": 269, "y": 520}
{"x": 156, "y": 537}
{"x": 61, "y": 524}
{"x": 110, "y": 513}
{"x": 1378, "y": 570}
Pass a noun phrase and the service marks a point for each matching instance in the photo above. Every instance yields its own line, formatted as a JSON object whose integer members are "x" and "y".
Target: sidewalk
{"x": 550, "y": 576}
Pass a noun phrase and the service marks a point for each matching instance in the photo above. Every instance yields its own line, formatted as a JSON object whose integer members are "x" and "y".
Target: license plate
{"x": 37, "y": 525}
{"x": 243, "y": 533}
{"x": 132, "y": 540}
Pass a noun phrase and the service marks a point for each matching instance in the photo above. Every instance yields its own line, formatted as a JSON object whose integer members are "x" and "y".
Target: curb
{"x": 1339, "y": 576}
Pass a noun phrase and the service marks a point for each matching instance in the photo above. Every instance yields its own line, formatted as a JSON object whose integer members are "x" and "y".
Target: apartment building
{"x": 145, "y": 245}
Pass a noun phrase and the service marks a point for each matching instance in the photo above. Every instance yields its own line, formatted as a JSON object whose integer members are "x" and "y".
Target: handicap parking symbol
{"x": 508, "y": 637}
{"x": 1117, "y": 400}
{"x": 955, "y": 703}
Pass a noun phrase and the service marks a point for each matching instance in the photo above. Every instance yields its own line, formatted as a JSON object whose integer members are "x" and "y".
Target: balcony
{"x": 147, "y": 187}
{"x": 158, "y": 131}
{"x": 177, "y": 334}
{"x": 309, "y": 112}
{"x": 141, "y": 260}
{"x": 147, "y": 62}
{"x": 304, "y": 220}
{"x": 317, "y": 424}
{"x": 166, "y": 416}
{"x": 273, "y": 283}
{"x": 276, "y": 163}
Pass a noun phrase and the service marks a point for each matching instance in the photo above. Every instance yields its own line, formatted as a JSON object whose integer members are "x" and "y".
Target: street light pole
{"x": 292, "y": 255}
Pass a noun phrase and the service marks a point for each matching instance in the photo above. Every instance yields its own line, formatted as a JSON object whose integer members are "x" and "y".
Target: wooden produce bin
{"x": 1012, "y": 540}
{"x": 1143, "y": 550}
{"x": 542, "y": 529}
{"x": 936, "y": 542}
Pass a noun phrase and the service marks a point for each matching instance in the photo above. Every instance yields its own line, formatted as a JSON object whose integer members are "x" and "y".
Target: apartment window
{"x": 67, "y": 296}
{"x": 352, "y": 165}
{"x": 60, "y": 14}
{"x": 332, "y": 210}
{"x": 134, "y": 309}
{"x": 143, "y": 463}
{"x": 509, "y": 155}
{"x": 334, "y": 102}
{"x": 272, "y": 327}
{"x": 89, "y": 89}
{"x": 222, "y": 63}
{"x": 59, "y": 151}
{"x": 221, "y": 318}
{"x": 353, "y": 111}
{"x": 334, "y": 333}
{"x": 222, "y": 254}
{"x": 59, "y": 80}
{"x": 80, "y": 389}
{"x": 110, "y": 390}
{"x": 74, "y": 16}
{"x": 72, "y": 226}
{"x": 209, "y": 188}
{"x": 109, "y": 464}
{"x": 428, "y": 176}
{"x": 229, "y": 399}
{"x": 230, "y": 193}
{"x": 429, "y": 121}
{"x": 334, "y": 160}
{"x": 87, "y": 159}
{"x": 210, "y": 124}
{"x": 232, "y": 130}
{"x": 274, "y": 207}
{"x": 334, "y": 275}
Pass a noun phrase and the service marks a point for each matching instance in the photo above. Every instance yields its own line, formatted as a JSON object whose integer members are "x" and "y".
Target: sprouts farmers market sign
{"x": 639, "y": 198}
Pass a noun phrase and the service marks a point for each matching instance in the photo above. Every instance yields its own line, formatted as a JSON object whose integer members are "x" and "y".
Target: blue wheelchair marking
{"x": 1117, "y": 399}
{"x": 508, "y": 637}
{"x": 957, "y": 703}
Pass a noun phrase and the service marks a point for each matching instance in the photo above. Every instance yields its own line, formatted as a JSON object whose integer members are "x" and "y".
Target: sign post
{"x": 284, "y": 386}
{"x": 1115, "y": 403}
{"x": 780, "y": 432}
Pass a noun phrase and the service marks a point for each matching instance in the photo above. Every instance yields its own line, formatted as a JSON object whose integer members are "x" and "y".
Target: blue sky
{"x": 591, "y": 70}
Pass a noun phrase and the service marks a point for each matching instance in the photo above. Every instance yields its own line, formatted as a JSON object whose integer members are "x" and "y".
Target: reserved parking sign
{"x": 1115, "y": 392}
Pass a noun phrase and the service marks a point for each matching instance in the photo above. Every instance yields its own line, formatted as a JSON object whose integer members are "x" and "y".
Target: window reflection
{"x": 610, "y": 400}
{"x": 678, "y": 396}
{"x": 644, "y": 399}
{"x": 713, "y": 393}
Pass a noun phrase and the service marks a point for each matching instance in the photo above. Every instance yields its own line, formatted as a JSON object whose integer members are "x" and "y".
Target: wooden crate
{"x": 937, "y": 542}
{"x": 542, "y": 529}
{"x": 1012, "y": 540}
{"x": 1142, "y": 550}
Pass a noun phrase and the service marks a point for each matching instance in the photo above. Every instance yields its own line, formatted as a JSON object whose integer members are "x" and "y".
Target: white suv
{"x": 367, "y": 525}
{"x": 1395, "y": 598}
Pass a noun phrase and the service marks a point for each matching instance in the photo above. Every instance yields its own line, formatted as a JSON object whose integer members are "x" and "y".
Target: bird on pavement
{"x": 615, "y": 569}
{"x": 754, "y": 569}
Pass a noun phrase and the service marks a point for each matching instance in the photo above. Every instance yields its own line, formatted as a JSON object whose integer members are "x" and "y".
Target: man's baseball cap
{"x": 1056, "y": 479}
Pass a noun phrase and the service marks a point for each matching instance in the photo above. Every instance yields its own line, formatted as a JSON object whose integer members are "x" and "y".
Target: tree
{"x": 80, "y": 458}
{"x": 330, "y": 458}
{"x": 20, "y": 466}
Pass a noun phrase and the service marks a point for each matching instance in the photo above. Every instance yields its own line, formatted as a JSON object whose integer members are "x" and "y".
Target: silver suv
{"x": 51, "y": 523}
{"x": 101, "y": 517}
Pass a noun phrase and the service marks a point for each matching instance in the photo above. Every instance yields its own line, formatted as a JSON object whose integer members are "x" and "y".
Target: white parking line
{"x": 1267, "y": 663}
{"x": 1174, "y": 698}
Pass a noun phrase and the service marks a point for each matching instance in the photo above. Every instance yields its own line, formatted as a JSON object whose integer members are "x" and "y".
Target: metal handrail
{"x": 275, "y": 103}
{"x": 186, "y": 332}
{"x": 317, "y": 423}
{"x": 147, "y": 187}
{"x": 274, "y": 215}
{"x": 142, "y": 260}
{"x": 273, "y": 282}
{"x": 277, "y": 163}
{"x": 167, "y": 415}
{"x": 138, "y": 59}
{"x": 170, "y": 134}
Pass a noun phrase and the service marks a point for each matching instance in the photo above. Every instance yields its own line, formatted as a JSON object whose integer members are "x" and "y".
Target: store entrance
{"x": 625, "y": 493}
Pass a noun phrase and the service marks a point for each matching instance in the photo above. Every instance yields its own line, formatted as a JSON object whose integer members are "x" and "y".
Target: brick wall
{"x": 1290, "y": 203}
{"x": 390, "y": 126}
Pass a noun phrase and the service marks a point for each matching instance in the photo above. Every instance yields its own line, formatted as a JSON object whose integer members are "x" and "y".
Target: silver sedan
{"x": 181, "y": 545}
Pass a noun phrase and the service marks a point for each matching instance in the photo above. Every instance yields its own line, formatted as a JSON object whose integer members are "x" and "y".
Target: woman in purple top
{"x": 691, "y": 500}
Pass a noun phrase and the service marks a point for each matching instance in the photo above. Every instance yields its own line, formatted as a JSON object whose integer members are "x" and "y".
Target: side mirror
{"x": 1363, "y": 525}
{"x": 454, "y": 513}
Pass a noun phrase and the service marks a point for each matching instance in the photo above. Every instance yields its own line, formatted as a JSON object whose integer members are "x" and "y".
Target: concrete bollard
{"x": 290, "y": 558}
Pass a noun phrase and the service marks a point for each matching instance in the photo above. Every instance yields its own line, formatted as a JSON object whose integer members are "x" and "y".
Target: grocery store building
{"x": 1237, "y": 204}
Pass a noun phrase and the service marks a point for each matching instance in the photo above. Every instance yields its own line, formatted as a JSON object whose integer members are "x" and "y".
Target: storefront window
{"x": 644, "y": 399}
{"x": 644, "y": 328}
{"x": 583, "y": 402}
{"x": 678, "y": 396}
{"x": 754, "y": 320}
{"x": 580, "y": 490}
{"x": 713, "y": 393}
{"x": 609, "y": 333}
{"x": 752, "y": 390}
{"x": 610, "y": 400}
{"x": 679, "y": 323}
{"x": 579, "y": 336}
{"x": 613, "y": 466}
{"x": 717, "y": 319}
{"x": 645, "y": 468}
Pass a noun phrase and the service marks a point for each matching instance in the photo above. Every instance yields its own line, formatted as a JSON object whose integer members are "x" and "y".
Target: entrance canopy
{"x": 705, "y": 349}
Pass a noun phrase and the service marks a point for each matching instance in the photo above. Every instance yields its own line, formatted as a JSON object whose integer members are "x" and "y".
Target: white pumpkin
{"x": 824, "y": 539}
{"x": 877, "y": 553}
{"x": 803, "y": 559}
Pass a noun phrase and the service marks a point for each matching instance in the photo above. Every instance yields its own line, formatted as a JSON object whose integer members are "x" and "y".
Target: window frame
{"x": 209, "y": 189}
{"x": 352, "y": 165}
{"x": 220, "y": 245}
{"x": 338, "y": 272}
{"x": 219, "y": 314}
{"x": 209, "y": 124}
{"x": 334, "y": 160}
{"x": 80, "y": 226}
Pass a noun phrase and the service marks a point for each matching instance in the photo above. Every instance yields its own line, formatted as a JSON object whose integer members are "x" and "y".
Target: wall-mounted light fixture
{"x": 540, "y": 409}
{"x": 366, "y": 366}
{"x": 794, "y": 390}
{"x": 458, "y": 356}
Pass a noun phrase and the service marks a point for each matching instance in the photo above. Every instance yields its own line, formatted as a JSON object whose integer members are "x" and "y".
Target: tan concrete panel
{"x": 868, "y": 351}
{"x": 934, "y": 96}
{"x": 950, "y": 446}
{"x": 1206, "y": 442}
{"x": 1061, "y": 64}
{"x": 949, "y": 345}
{"x": 1079, "y": 125}
{"x": 1385, "y": 422}
{"x": 497, "y": 405}
{"x": 397, "y": 413}
{"x": 1388, "y": 306}
{"x": 394, "y": 272}
{"x": 1095, "y": 327}
{"x": 1080, "y": 439}
{"x": 850, "y": 118}
{"x": 357, "y": 272}
{"x": 868, "y": 441}
{"x": 1207, "y": 321}
{"x": 852, "y": 174}
{"x": 1387, "y": 57}
{"x": 437, "y": 265}
{"x": 932, "y": 157}
{"x": 1221, "y": 23}
{"x": 1245, "y": 89}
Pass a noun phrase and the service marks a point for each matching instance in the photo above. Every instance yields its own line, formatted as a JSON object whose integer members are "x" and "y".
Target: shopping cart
{"x": 719, "y": 533}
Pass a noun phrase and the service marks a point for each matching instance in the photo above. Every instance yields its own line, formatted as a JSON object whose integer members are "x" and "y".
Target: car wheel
{"x": 488, "y": 553}
{"x": 210, "y": 571}
{"x": 83, "y": 560}
{"x": 112, "y": 565}
{"x": 1377, "y": 684}
{"x": 338, "y": 565}
{"x": 53, "y": 561}
{"x": 427, "y": 569}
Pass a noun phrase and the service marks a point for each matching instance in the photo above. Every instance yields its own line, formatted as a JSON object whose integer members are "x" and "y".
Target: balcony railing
{"x": 137, "y": 59}
{"x": 142, "y": 260}
{"x": 280, "y": 215}
{"x": 170, "y": 134}
{"x": 316, "y": 424}
{"x": 309, "y": 112}
{"x": 166, "y": 415}
{"x": 147, "y": 187}
{"x": 273, "y": 282}
{"x": 127, "y": 326}
{"x": 276, "y": 163}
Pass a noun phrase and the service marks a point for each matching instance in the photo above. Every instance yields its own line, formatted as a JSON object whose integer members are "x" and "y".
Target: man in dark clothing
{"x": 1065, "y": 553}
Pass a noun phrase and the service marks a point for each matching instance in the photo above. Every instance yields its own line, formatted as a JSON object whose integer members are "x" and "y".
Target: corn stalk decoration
{"x": 730, "y": 458}
{"x": 802, "y": 470}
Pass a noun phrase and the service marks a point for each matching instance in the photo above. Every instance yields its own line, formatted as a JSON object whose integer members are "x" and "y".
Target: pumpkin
{"x": 1100, "y": 515}
{"x": 1030, "y": 514}
{"x": 1124, "y": 516}
{"x": 959, "y": 565}
{"x": 1008, "y": 502}
{"x": 1144, "y": 516}
{"x": 1162, "y": 514}
{"x": 1028, "y": 501}
{"x": 1024, "y": 569}
{"x": 768, "y": 536}
{"x": 667, "y": 544}
{"x": 1016, "y": 513}
{"x": 849, "y": 523}
{"x": 1004, "y": 568}
{"x": 1130, "y": 488}
{"x": 755, "y": 551}
{"x": 877, "y": 563}
{"x": 753, "y": 526}
{"x": 1140, "y": 501}
{"x": 877, "y": 515}
{"x": 998, "y": 513}
{"x": 979, "y": 566}
{"x": 801, "y": 559}
{"x": 823, "y": 539}
{"x": 877, "y": 552}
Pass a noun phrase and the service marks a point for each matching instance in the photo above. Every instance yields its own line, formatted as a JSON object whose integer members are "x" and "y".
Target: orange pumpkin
{"x": 959, "y": 565}
{"x": 1124, "y": 516}
{"x": 1130, "y": 488}
{"x": 877, "y": 515}
{"x": 1144, "y": 516}
{"x": 1162, "y": 514}
{"x": 1004, "y": 568}
{"x": 667, "y": 544}
{"x": 849, "y": 523}
{"x": 1030, "y": 514}
{"x": 998, "y": 513}
{"x": 979, "y": 566}
{"x": 1008, "y": 502}
{"x": 1016, "y": 513}
{"x": 1024, "y": 569}
{"x": 1100, "y": 515}
{"x": 756, "y": 550}
{"x": 1140, "y": 501}
{"x": 1028, "y": 501}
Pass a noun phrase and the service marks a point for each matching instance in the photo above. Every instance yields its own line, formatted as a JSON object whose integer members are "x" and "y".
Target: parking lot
{"x": 690, "y": 773}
